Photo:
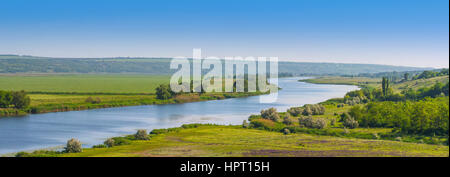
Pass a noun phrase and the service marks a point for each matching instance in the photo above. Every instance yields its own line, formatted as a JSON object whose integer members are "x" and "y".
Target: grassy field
{"x": 338, "y": 80}
{"x": 87, "y": 83}
{"x": 69, "y": 92}
{"x": 420, "y": 83}
{"x": 376, "y": 82}
{"x": 224, "y": 141}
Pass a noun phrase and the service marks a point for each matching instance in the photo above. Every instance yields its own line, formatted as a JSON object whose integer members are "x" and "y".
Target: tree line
{"x": 386, "y": 93}
{"x": 429, "y": 116}
{"x": 14, "y": 99}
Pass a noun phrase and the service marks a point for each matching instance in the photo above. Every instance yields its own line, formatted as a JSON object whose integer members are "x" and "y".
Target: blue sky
{"x": 394, "y": 32}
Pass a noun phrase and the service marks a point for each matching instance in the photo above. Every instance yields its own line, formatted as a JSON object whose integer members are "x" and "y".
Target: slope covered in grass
{"x": 207, "y": 141}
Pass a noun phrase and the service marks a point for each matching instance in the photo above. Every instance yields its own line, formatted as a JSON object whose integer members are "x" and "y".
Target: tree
{"x": 270, "y": 114}
{"x": 6, "y": 99}
{"x": 141, "y": 135}
{"x": 20, "y": 99}
{"x": 287, "y": 120}
{"x": 163, "y": 92}
{"x": 310, "y": 122}
{"x": 348, "y": 121}
{"x": 385, "y": 86}
{"x": 109, "y": 142}
{"x": 73, "y": 146}
{"x": 406, "y": 76}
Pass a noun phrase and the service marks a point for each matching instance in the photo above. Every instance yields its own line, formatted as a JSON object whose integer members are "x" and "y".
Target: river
{"x": 38, "y": 131}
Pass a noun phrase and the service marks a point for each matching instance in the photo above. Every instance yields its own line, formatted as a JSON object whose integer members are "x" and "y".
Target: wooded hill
{"x": 160, "y": 66}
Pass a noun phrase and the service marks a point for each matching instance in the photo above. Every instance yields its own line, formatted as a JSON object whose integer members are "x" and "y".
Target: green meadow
{"x": 70, "y": 92}
{"x": 83, "y": 83}
{"x": 234, "y": 141}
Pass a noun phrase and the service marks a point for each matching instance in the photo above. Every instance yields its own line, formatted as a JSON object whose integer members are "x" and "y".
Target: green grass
{"x": 224, "y": 141}
{"x": 86, "y": 83}
{"x": 338, "y": 80}
{"x": 376, "y": 82}
{"x": 420, "y": 83}
{"x": 68, "y": 92}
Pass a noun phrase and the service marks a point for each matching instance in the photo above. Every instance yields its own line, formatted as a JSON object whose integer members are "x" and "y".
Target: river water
{"x": 38, "y": 131}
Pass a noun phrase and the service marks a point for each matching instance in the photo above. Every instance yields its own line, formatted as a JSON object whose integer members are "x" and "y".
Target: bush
{"x": 141, "y": 135}
{"x": 245, "y": 124}
{"x": 333, "y": 121}
{"x": 22, "y": 154}
{"x": 92, "y": 100}
{"x": 109, "y": 142}
{"x": 118, "y": 141}
{"x": 20, "y": 99}
{"x": 310, "y": 122}
{"x": 73, "y": 146}
{"x": 99, "y": 146}
{"x": 286, "y": 131}
{"x": 163, "y": 92}
{"x": 348, "y": 121}
{"x": 295, "y": 111}
{"x": 287, "y": 120}
{"x": 313, "y": 109}
{"x": 270, "y": 114}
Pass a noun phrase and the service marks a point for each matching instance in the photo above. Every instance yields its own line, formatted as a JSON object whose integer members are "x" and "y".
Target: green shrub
{"x": 118, "y": 141}
{"x": 163, "y": 92}
{"x": 270, "y": 114}
{"x": 109, "y": 142}
{"x": 313, "y": 109}
{"x": 245, "y": 124}
{"x": 99, "y": 146}
{"x": 92, "y": 100}
{"x": 141, "y": 135}
{"x": 287, "y": 120}
{"x": 348, "y": 121}
{"x": 295, "y": 111}
{"x": 311, "y": 122}
{"x": 286, "y": 131}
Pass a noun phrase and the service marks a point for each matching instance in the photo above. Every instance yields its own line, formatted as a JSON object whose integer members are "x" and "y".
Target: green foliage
{"x": 100, "y": 146}
{"x": 161, "y": 66}
{"x": 109, "y": 142}
{"x": 430, "y": 74}
{"x": 245, "y": 124}
{"x": 163, "y": 92}
{"x": 39, "y": 153}
{"x": 92, "y": 100}
{"x": 16, "y": 99}
{"x": 119, "y": 141}
{"x": 287, "y": 120}
{"x": 313, "y": 109}
{"x": 286, "y": 131}
{"x": 348, "y": 121}
{"x": 270, "y": 114}
{"x": 428, "y": 116}
{"x": 295, "y": 111}
{"x": 141, "y": 135}
{"x": 313, "y": 122}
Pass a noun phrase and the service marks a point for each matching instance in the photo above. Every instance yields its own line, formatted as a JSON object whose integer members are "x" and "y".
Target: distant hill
{"x": 160, "y": 66}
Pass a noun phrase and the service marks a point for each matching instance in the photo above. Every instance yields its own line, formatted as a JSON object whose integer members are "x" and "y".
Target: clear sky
{"x": 394, "y": 32}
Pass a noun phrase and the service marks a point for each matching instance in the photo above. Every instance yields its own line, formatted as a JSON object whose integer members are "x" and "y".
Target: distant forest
{"x": 160, "y": 66}
{"x": 407, "y": 75}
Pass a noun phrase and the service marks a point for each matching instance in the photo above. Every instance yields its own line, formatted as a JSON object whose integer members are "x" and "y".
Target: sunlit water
{"x": 91, "y": 127}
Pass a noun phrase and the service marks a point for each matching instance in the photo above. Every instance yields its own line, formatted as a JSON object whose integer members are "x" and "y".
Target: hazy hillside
{"x": 31, "y": 64}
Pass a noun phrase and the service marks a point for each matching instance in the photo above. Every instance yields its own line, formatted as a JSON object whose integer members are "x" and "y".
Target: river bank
{"x": 234, "y": 141}
{"x": 94, "y": 126}
{"x": 46, "y": 103}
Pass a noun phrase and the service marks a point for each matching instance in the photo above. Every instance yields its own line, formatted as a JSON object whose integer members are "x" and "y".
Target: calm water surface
{"x": 92, "y": 127}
